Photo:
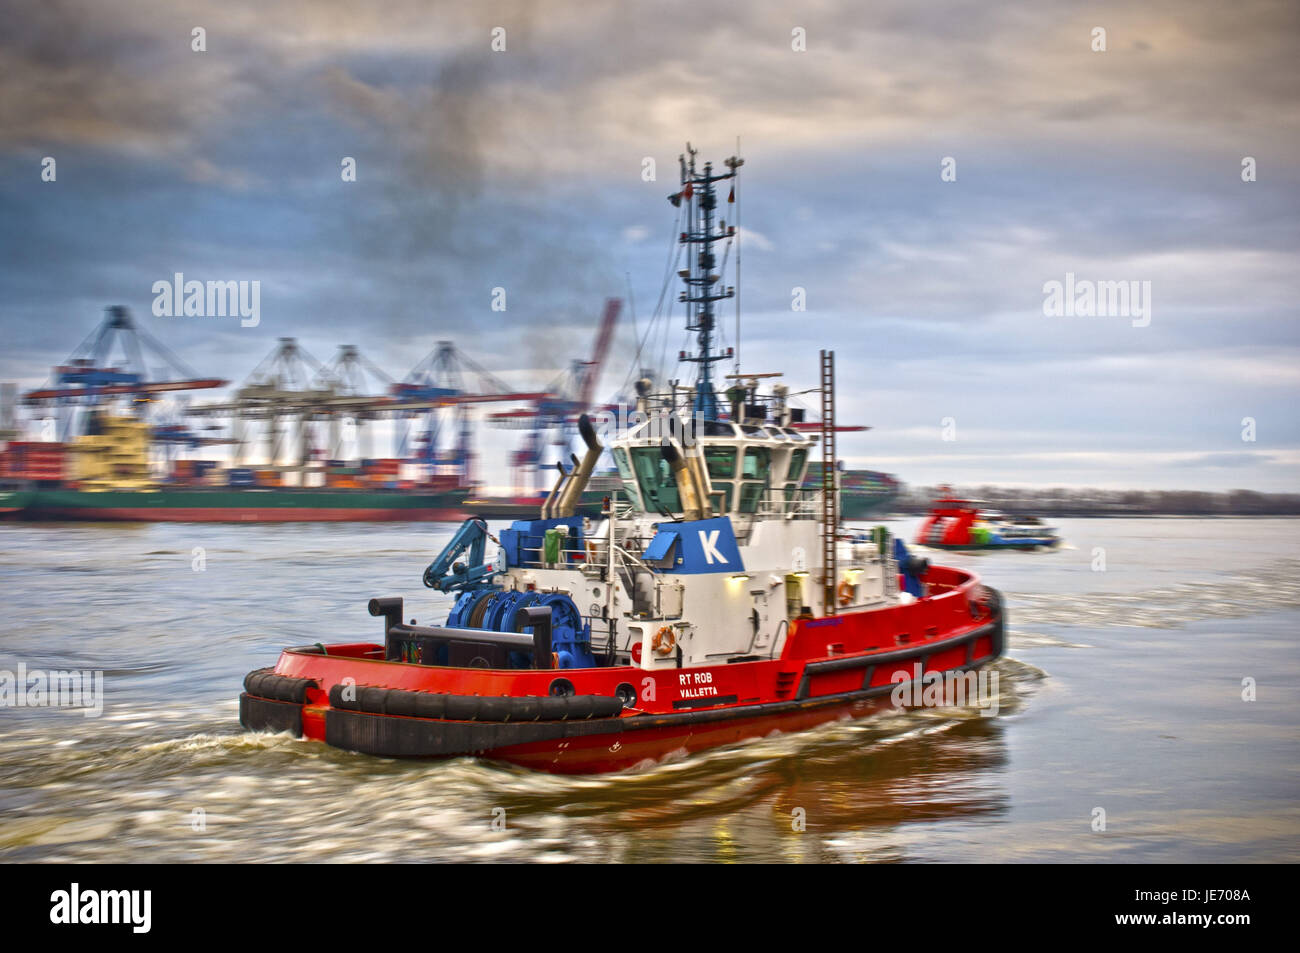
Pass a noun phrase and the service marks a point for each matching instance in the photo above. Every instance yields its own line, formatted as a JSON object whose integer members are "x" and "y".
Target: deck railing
{"x": 799, "y": 503}
{"x": 774, "y": 503}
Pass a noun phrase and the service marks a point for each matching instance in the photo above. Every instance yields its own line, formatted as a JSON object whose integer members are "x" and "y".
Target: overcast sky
{"x": 522, "y": 169}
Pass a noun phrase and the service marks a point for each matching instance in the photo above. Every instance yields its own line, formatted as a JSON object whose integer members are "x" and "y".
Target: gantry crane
{"x": 289, "y": 392}
{"x": 91, "y": 377}
{"x": 433, "y": 388}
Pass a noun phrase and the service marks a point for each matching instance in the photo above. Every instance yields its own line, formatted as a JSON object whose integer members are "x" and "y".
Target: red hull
{"x": 595, "y": 754}
{"x": 841, "y": 666}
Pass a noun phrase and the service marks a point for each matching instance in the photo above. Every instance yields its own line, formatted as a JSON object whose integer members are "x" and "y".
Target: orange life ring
{"x": 665, "y": 641}
{"x": 845, "y": 592}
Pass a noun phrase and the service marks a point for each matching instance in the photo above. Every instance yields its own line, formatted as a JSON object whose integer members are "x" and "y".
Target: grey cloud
{"x": 522, "y": 170}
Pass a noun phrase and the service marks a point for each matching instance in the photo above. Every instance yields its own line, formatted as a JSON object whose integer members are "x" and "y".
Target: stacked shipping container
{"x": 33, "y": 460}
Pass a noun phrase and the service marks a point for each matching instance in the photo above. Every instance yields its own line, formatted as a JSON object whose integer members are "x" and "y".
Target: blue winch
{"x": 483, "y": 604}
{"x": 502, "y": 611}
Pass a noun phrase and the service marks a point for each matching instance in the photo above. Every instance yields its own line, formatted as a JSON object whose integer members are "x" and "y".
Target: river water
{"x": 1122, "y": 693}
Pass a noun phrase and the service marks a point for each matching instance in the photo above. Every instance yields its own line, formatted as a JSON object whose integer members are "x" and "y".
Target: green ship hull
{"x": 863, "y": 493}
{"x": 14, "y": 501}
{"x": 221, "y": 504}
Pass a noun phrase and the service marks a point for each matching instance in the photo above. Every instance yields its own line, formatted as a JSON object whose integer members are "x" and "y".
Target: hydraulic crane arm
{"x": 447, "y": 574}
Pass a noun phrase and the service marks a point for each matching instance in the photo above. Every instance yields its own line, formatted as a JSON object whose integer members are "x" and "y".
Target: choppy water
{"x": 1122, "y": 691}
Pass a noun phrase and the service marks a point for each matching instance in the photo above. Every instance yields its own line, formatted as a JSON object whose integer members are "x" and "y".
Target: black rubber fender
{"x": 493, "y": 708}
{"x": 528, "y": 708}
{"x": 372, "y": 699}
{"x": 584, "y": 706}
{"x": 263, "y": 714}
{"x": 264, "y": 683}
{"x": 462, "y": 708}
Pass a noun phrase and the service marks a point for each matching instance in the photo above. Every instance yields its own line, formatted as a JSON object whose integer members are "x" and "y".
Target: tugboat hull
{"x": 591, "y": 731}
{"x": 588, "y": 747}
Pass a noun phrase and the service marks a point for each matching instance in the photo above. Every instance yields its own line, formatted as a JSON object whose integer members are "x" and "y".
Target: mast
{"x": 700, "y": 294}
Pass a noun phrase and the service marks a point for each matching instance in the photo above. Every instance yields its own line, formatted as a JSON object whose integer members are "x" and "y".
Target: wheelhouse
{"x": 749, "y": 470}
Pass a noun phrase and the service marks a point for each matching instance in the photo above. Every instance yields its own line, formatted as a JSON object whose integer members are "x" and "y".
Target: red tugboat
{"x": 955, "y": 523}
{"x": 715, "y": 599}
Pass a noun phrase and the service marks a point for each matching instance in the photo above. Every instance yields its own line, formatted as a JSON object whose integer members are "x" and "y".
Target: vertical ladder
{"x": 830, "y": 492}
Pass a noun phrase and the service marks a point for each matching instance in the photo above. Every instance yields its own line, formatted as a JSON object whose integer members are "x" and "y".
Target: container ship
{"x": 105, "y": 475}
{"x": 863, "y": 493}
{"x": 256, "y": 505}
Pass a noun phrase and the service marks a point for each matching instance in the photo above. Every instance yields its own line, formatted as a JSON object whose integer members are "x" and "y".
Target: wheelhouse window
{"x": 625, "y": 471}
{"x": 794, "y": 473}
{"x": 718, "y": 428}
{"x": 655, "y": 479}
{"x": 755, "y": 468}
{"x": 797, "y": 461}
{"x": 750, "y": 495}
{"x": 758, "y": 461}
{"x": 721, "y": 462}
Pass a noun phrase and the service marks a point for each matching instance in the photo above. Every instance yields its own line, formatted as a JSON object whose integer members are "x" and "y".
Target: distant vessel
{"x": 104, "y": 475}
{"x": 224, "y": 505}
{"x": 107, "y": 465}
{"x": 14, "y": 501}
{"x": 863, "y": 493}
{"x": 955, "y": 523}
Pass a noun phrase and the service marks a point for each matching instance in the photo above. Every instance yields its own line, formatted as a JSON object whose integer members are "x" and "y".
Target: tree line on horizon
{"x": 1065, "y": 501}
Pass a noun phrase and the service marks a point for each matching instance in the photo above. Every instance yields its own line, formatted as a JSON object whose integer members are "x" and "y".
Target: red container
{"x": 386, "y": 466}
{"x": 33, "y": 460}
